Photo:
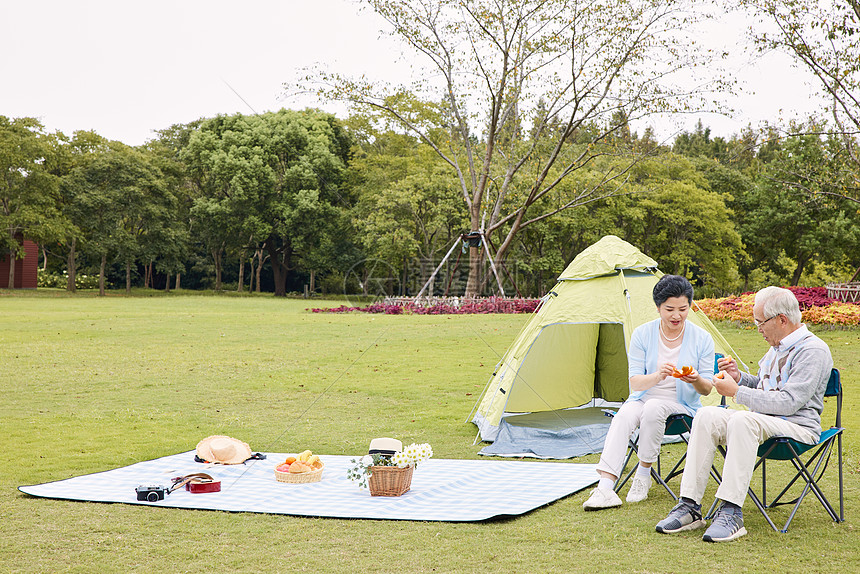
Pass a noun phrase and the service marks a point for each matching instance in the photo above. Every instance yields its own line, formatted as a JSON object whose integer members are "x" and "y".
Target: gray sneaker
{"x": 727, "y": 525}
{"x": 684, "y": 516}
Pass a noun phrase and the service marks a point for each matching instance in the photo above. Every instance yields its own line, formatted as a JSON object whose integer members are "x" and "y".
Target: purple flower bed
{"x": 469, "y": 307}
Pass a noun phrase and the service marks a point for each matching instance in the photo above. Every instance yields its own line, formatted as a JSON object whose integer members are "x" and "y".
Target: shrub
{"x": 61, "y": 280}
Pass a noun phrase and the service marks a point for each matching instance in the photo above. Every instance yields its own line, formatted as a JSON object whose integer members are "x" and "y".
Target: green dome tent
{"x": 574, "y": 347}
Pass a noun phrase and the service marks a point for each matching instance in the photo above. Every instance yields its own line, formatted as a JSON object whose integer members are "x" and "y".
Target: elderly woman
{"x": 657, "y": 348}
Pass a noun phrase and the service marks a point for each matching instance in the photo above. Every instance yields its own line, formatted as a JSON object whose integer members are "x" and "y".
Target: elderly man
{"x": 785, "y": 399}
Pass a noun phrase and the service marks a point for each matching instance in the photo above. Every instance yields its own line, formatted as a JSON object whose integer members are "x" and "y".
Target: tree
{"x": 29, "y": 199}
{"x": 71, "y": 154}
{"x": 128, "y": 206}
{"x": 784, "y": 214}
{"x": 274, "y": 178}
{"x": 512, "y": 85}
{"x": 681, "y": 222}
{"x": 408, "y": 208}
{"x": 166, "y": 150}
{"x": 823, "y": 37}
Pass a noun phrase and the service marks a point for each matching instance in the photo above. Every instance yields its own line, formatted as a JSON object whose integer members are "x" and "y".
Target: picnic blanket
{"x": 565, "y": 433}
{"x": 442, "y": 489}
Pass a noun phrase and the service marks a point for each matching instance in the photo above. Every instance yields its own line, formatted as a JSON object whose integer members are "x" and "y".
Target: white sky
{"x": 126, "y": 68}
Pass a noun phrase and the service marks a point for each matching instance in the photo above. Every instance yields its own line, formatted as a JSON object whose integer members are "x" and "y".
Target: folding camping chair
{"x": 781, "y": 448}
{"x": 678, "y": 425}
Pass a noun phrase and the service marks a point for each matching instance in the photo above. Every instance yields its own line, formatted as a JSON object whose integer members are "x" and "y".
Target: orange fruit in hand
{"x": 685, "y": 370}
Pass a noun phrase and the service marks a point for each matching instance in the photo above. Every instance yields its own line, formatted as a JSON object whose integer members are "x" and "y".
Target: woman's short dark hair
{"x": 672, "y": 286}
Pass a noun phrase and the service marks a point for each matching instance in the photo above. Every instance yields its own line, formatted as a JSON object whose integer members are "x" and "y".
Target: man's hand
{"x": 725, "y": 384}
{"x": 730, "y": 366}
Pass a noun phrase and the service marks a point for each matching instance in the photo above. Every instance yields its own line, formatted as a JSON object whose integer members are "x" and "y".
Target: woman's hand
{"x": 645, "y": 382}
{"x": 663, "y": 371}
{"x": 700, "y": 383}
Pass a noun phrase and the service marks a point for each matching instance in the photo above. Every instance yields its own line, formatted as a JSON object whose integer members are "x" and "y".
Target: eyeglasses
{"x": 760, "y": 324}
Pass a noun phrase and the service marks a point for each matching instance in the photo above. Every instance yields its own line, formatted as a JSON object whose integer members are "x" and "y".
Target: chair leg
{"x": 760, "y": 506}
{"x": 803, "y": 471}
{"x": 811, "y": 484}
{"x": 619, "y": 483}
{"x": 841, "y": 492}
{"x": 715, "y": 474}
{"x": 655, "y": 474}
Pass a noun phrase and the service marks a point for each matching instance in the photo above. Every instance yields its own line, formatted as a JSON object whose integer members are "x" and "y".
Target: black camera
{"x": 151, "y": 492}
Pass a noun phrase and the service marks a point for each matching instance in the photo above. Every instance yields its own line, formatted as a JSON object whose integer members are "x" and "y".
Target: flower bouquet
{"x": 388, "y": 475}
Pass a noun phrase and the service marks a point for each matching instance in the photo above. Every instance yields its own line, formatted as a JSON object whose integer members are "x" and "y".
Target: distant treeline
{"x": 293, "y": 200}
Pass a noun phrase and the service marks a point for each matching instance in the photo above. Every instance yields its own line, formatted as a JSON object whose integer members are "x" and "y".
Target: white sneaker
{"x": 639, "y": 489}
{"x": 601, "y": 498}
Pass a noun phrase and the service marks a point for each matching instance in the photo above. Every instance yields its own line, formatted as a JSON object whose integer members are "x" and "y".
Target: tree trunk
{"x": 176, "y": 287}
{"x": 260, "y": 259}
{"x": 102, "y": 264}
{"x": 241, "y": 273}
{"x": 313, "y": 281}
{"x": 128, "y": 277}
{"x": 798, "y": 271}
{"x": 167, "y": 282}
{"x": 280, "y": 267}
{"x": 473, "y": 284}
{"x": 216, "y": 256}
{"x": 12, "y": 260}
{"x": 72, "y": 266}
{"x": 280, "y": 272}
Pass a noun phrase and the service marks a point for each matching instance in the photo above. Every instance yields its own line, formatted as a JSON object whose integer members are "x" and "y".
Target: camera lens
{"x": 152, "y": 496}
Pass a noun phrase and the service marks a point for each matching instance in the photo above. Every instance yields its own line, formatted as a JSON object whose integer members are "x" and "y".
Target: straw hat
{"x": 223, "y": 450}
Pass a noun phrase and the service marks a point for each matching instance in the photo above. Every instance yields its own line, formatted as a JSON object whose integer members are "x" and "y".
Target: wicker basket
{"x": 390, "y": 480}
{"x": 299, "y": 478}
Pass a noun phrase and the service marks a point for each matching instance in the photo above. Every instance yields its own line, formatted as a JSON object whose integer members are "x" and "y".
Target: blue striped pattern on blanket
{"x": 442, "y": 489}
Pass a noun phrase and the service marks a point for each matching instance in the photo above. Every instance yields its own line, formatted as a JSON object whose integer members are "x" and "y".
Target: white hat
{"x": 387, "y": 446}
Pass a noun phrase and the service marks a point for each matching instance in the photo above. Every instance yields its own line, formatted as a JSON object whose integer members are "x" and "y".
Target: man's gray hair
{"x": 778, "y": 301}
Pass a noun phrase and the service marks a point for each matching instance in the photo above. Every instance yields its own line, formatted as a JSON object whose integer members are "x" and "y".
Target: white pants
{"x": 650, "y": 416}
{"x": 741, "y": 432}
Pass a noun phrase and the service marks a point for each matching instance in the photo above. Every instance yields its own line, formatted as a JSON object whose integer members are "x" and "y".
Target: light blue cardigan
{"x": 697, "y": 350}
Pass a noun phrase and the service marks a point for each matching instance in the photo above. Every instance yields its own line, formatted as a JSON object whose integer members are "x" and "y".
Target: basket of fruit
{"x": 300, "y": 469}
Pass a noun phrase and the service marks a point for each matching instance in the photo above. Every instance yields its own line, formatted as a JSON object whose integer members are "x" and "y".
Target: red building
{"x": 25, "y": 269}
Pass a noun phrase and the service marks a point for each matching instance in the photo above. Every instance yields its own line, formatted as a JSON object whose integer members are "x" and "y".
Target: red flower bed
{"x": 811, "y": 297}
{"x": 467, "y": 307}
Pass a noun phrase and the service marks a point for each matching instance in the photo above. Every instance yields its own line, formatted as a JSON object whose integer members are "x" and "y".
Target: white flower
{"x": 400, "y": 459}
{"x": 366, "y": 460}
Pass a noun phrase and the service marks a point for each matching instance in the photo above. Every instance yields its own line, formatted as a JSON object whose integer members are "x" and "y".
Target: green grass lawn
{"x": 91, "y": 384}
